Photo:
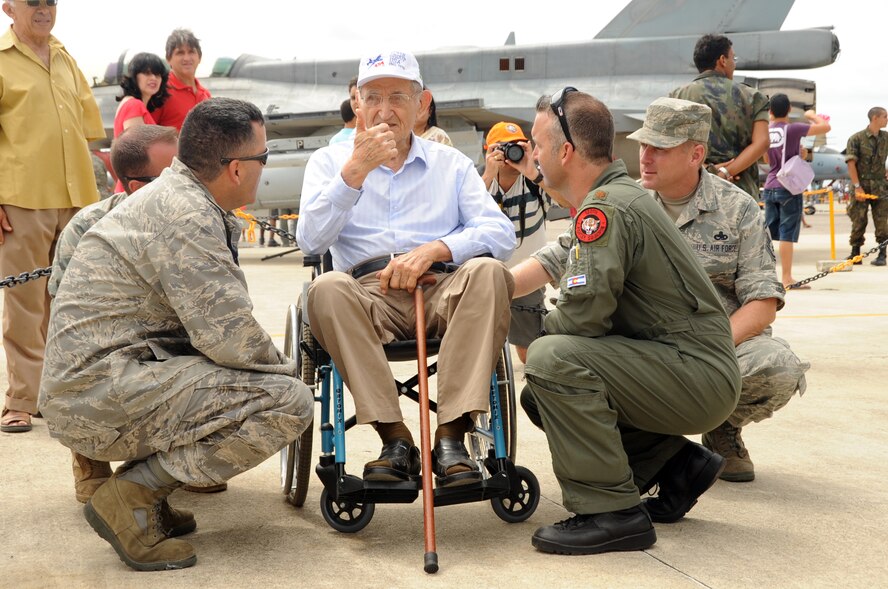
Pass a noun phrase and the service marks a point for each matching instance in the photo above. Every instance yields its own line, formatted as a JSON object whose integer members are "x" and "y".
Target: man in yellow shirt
{"x": 47, "y": 116}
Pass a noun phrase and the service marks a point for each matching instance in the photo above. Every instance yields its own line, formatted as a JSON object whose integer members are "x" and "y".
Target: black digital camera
{"x": 512, "y": 150}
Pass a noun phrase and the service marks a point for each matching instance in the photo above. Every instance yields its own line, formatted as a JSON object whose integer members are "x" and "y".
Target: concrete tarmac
{"x": 815, "y": 516}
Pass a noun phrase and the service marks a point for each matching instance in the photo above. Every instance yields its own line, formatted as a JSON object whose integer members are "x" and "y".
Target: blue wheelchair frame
{"x": 348, "y": 502}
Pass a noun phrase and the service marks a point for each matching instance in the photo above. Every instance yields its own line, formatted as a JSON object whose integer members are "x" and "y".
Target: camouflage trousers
{"x": 857, "y": 211}
{"x": 771, "y": 374}
{"x": 223, "y": 424}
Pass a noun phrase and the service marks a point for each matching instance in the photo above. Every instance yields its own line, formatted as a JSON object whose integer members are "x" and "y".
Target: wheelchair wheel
{"x": 505, "y": 377}
{"x": 519, "y": 506}
{"x": 346, "y": 516}
{"x": 296, "y": 457}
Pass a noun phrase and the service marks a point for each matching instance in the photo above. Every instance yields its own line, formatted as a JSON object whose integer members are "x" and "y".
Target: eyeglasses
{"x": 36, "y": 3}
{"x": 557, "y": 103}
{"x": 145, "y": 179}
{"x": 262, "y": 158}
{"x": 396, "y": 100}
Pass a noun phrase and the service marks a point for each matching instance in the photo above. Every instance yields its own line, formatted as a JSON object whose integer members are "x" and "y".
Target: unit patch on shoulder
{"x": 591, "y": 225}
{"x": 600, "y": 194}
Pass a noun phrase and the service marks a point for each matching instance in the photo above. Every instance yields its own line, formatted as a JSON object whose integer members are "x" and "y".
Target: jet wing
{"x": 656, "y": 18}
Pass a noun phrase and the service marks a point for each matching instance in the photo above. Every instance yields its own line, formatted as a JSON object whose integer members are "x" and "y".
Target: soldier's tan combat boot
{"x": 128, "y": 516}
{"x": 176, "y": 522}
{"x": 726, "y": 440}
{"x": 89, "y": 475}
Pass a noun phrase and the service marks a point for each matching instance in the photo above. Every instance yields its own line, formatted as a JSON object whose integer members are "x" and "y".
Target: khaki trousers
{"x": 30, "y": 245}
{"x": 469, "y": 309}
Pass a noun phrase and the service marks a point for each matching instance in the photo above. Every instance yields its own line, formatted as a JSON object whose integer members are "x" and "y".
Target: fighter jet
{"x": 642, "y": 54}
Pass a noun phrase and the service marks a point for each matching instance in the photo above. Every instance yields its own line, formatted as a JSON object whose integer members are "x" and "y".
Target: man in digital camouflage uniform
{"x": 637, "y": 351}
{"x": 153, "y": 355}
{"x": 724, "y": 227}
{"x": 739, "y": 134}
{"x": 866, "y": 154}
{"x": 138, "y": 156}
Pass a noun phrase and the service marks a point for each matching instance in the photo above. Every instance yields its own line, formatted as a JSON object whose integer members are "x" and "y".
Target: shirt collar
{"x": 702, "y": 201}
{"x": 179, "y": 167}
{"x": 417, "y": 150}
{"x": 9, "y": 39}
{"x": 710, "y": 74}
{"x": 616, "y": 169}
{"x": 176, "y": 83}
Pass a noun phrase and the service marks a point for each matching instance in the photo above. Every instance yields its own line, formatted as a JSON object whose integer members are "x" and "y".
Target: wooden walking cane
{"x": 428, "y": 493}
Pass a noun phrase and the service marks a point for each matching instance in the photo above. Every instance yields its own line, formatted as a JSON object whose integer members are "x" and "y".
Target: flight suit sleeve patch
{"x": 590, "y": 225}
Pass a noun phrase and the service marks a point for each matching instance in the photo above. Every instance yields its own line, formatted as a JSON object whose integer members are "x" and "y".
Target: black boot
{"x": 855, "y": 251}
{"x": 880, "y": 259}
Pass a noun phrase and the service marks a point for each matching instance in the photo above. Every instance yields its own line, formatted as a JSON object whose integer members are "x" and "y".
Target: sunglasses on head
{"x": 262, "y": 158}
{"x": 36, "y": 3}
{"x": 557, "y": 102}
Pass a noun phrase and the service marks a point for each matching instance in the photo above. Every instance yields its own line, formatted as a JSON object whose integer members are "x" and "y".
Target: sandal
{"x": 15, "y": 421}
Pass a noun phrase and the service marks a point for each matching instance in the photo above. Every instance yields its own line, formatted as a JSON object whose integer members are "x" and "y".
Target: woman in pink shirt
{"x": 144, "y": 90}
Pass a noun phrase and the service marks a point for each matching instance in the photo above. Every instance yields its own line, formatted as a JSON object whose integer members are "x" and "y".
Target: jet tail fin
{"x": 660, "y": 18}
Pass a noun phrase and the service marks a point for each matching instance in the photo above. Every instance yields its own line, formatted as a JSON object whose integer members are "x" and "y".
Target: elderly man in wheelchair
{"x": 391, "y": 207}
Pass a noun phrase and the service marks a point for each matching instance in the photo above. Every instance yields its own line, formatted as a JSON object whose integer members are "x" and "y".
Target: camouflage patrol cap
{"x": 669, "y": 122}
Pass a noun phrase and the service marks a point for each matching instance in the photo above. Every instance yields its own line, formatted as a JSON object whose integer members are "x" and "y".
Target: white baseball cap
{"x": 388, "y": 64}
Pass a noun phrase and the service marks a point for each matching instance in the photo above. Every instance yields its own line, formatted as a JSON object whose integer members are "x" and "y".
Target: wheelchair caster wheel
{"x": 346, "y": 516}
{"x": 517, "y": 507}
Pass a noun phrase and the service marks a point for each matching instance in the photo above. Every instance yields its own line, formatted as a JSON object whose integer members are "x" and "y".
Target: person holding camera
{"x": 513, "y": 180}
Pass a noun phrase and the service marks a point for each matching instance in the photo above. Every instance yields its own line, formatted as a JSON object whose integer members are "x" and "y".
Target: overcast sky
{"x": 97, "y": 31}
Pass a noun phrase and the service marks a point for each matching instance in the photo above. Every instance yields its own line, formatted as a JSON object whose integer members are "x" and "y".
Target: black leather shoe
{"x": 449, "y": 453}
{"x": 398, "y": 461}
{"x": 628, "y": 529}
{"x": 683, "y": 479}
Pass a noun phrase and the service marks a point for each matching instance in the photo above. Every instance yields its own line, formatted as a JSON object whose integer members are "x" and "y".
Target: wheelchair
{"x": 347, "y": 501}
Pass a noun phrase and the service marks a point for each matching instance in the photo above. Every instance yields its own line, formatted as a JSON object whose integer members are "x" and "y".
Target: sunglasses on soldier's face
{"x": 37, "y": 3}
{"x": 262, "y": 158}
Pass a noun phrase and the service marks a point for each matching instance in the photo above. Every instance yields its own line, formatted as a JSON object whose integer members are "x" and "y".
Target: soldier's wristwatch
{"x": 856, "y": 185}
{"x": 724, "y": 170}
{"x": 538, "y": 179}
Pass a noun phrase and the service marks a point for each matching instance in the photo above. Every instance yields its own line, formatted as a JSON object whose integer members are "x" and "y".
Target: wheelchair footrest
{"x": 342, "y": 486}
{"x": 495, "y": 486}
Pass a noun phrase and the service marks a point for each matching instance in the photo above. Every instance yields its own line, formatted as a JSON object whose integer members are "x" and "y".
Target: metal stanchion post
{"x": 832, "y": 226}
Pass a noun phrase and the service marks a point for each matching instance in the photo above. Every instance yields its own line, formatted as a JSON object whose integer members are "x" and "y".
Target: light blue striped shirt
{"x": 437, "y": 194}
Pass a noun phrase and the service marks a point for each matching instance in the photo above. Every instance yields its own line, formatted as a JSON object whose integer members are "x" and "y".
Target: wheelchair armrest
{"x": 311, "y": 260}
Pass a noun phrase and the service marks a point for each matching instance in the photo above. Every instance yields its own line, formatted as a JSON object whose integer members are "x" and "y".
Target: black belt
{"x": 374, "y": 265}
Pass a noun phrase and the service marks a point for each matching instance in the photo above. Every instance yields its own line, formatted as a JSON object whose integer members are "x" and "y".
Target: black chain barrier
{"x": 270, "y": 228}
{"x": 839, "y": 266}
{"x": 24, "y": 277}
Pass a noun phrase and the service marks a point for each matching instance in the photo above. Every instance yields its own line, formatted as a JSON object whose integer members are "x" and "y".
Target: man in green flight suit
{"x": 637, "y": 352}
{"x": 739, "y": 134}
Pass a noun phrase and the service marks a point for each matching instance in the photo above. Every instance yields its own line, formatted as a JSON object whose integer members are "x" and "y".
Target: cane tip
{"x": 431, "y": 562}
